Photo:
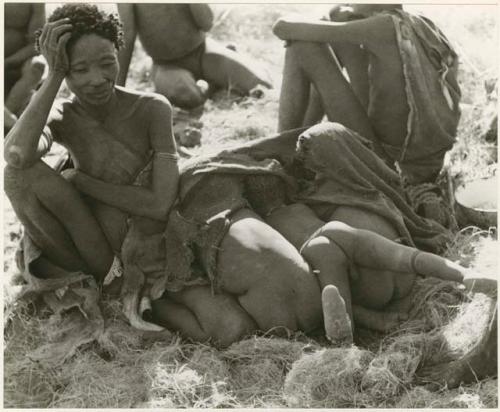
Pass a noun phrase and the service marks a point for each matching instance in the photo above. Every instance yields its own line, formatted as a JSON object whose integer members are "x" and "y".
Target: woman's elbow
{"x": 14, "y": 156}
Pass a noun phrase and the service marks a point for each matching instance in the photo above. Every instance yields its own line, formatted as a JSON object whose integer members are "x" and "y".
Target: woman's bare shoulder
{"x": 132, "y": 100}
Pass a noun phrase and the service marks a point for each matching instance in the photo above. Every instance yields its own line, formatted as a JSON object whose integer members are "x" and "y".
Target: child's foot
{"x": 338, "y": 328}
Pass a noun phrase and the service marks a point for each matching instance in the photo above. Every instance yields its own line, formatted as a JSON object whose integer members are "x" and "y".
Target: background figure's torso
{"x": 167, "y": 31}
{"x": 17, "y": 18}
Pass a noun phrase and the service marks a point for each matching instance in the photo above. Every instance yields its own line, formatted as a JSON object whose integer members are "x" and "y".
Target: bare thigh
{"x": 271, "y": 279}
{"x": 226, "y": 68}
{"x": 200, "y": 315}
{"x": 374, "y": 288}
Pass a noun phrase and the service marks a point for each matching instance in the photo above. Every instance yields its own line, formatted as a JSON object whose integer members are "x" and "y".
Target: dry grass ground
{"x": 127, "y": 369}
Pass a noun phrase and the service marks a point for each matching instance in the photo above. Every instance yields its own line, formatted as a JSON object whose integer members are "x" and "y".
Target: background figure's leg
{"x": 178, "y": 85}
{"x": 226, "y": 68}
{"x": 31, "y": 76}
{"x": 57, "y": 219}
{"x": 294, "y": 95}
{"x": 319, "y": 65}
{"x": 315, "y": 112}
{"x": 355, "y": 60}
{"x": 200, "y": 315}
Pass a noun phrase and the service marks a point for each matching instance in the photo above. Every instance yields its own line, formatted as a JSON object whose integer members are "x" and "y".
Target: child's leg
{"x": 369, "y": 249}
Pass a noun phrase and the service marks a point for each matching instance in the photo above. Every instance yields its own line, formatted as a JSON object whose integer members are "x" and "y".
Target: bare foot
{"x": 338, "y": 328}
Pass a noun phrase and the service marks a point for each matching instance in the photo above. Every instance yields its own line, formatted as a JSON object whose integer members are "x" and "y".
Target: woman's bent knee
{"x": 321, "y": 247}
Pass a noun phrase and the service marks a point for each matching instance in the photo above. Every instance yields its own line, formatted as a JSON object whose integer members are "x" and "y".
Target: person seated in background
{"x": 77, "y": 221}
{"x": 23, "y": 70}
{"x": 402, "y": 91}
{"x": 174, "y": 35}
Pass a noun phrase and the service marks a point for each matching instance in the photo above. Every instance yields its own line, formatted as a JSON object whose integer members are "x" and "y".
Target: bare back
{"x": 167, "y": 30}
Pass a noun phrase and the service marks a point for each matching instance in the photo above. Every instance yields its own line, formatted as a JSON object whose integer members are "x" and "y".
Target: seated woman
{"x": 79, "y": 220}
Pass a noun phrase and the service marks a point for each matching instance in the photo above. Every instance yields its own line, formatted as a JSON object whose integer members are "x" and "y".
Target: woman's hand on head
{"x": 53, "y": 40}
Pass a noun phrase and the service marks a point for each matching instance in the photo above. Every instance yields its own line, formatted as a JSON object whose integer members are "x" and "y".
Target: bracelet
{"x": 413, "y": 261}
{"x": 168, "y": 156}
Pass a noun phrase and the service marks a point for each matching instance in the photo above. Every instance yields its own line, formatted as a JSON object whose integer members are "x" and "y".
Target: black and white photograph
{"x": 250, "y": 205}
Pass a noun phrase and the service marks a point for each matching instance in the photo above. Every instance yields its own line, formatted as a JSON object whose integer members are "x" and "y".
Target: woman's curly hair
{"x": 87, "y": 19}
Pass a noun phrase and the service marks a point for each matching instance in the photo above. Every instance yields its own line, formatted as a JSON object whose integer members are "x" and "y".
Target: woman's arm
{"x": 24, "y": 145}
{"x": 373, "y": 32}
{"x": 155, "y": 201}
{"x": 203, "y": 15}
{"x": 126, "y": 12}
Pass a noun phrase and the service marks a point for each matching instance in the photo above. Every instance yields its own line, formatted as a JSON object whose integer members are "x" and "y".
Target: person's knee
{"x": 187, "y": 97}
{"x": 320, "y": 248}
{"x": 178, "y": 86}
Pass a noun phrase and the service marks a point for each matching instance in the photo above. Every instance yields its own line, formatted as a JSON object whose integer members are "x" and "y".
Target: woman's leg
{"x": 224, "y": 67}
{"x": 200, "y": 315}
{"x": 57, "y": 219}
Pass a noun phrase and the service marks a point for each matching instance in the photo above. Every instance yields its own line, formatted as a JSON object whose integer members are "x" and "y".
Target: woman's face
{"x": 93, "y": 69}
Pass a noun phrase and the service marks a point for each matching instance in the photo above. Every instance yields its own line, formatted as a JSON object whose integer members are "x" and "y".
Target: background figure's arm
{"x": 37, "y": 20}
{"x": 373, "y": 32}
{"x": 154, "y": 201}
{"x": 203, "y": 15}
{"x": 127, "y": 16}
